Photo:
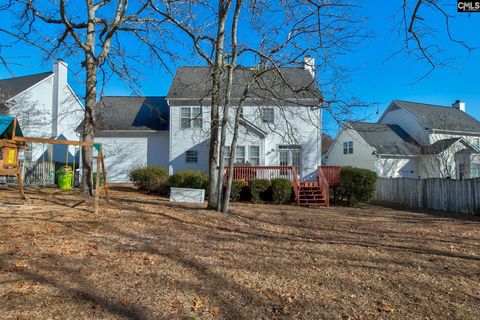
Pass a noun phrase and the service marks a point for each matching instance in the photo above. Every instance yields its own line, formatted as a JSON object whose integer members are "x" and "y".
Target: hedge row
{"x": 155, "y": 179}
{"x": 356, "y": 185}
{"x": 261, "y": 190}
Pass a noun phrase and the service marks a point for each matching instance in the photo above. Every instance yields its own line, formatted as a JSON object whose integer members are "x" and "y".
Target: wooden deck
{"x": 307, "y": 193}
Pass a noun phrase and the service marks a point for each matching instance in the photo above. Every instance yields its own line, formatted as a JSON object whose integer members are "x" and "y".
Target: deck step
{"x": 310, "y": 195}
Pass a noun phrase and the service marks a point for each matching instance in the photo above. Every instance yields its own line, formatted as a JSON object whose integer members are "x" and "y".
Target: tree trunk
{"x": 223, "y": 9}
{"x": 88, "y": 126}
{"x": 91, "y": 65}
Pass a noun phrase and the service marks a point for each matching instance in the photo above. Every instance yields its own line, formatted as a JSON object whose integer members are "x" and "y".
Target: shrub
{"x": 357, "y": 185}
{"x": 259, "y": 189}
{"x": 236, "y": 191}
{"x": 189, "y": 179}
{"x": 152, "y": 179}
{"x": 281, "y": 190}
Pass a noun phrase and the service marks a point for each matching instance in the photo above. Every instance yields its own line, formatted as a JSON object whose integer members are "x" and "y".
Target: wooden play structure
{"x": 12, "y": 142}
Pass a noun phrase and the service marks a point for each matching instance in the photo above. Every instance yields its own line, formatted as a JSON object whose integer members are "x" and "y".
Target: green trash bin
{"x": 65, "y": 177}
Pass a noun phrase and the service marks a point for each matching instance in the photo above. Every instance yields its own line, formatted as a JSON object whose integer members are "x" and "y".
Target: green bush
{"x": 189, "y": 179}
{"x": 152, "y": 179}
{"x": 236, "y": 191}
{"x": 259, "y": 189}
{"x": 281, "y": 190}
{"x": 357, "y": 185}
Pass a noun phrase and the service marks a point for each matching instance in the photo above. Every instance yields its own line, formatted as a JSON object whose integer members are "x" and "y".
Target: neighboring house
{"x": 413, "y": 140}
{"x": 134, "y": 133}
{"x": 46, "y": 107}
{"x": 280, "y": 123}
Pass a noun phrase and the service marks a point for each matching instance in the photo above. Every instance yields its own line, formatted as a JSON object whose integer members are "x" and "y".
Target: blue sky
{"x": 377, "y": 79}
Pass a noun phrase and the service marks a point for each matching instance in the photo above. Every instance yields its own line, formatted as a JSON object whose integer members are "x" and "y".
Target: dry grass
{"x": 145, "y": 258}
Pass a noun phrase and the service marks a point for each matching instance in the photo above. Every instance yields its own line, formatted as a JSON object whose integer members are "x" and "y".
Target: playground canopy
{"x": 6, "y": 128}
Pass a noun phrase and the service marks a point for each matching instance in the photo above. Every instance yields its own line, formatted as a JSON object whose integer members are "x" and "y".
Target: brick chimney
{"x": 309, "y": 65}
{"x": 459, "y": 105}
{"x": 60, "y": 70}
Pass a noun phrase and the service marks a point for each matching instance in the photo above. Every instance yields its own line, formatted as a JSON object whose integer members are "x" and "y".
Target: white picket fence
{"x": 438, "y": 194}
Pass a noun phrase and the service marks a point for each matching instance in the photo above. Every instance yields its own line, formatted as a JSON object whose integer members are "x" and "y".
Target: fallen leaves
{"x": 27, "y": 288}
{"x": 384, "y": 307}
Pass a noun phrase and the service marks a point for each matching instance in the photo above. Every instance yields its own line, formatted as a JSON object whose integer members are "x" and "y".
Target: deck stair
{"x": 310, "y": 195}
{"x": 307, "y": 193}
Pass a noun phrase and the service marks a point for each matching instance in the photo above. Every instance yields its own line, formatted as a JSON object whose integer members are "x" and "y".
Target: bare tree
{"x": 421, "y": 38}
{"x": 97, "y": 29}
{"x": 275, "y": 35}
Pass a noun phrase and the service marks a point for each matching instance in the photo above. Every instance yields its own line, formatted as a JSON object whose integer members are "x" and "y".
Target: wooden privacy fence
{"x": 438, "y": 194}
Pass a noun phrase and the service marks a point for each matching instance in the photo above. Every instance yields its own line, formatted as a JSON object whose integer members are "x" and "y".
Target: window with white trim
{"x": 191, "y": 117}
{"x": 197, "y": 117}
{"x": 191, "y": 156}
{"x": 268, "y": 115}
{"x": 185, "y": 114}
{"x": 240, "y": 154}
{"x": 254, "y": 155}
{"x": 226, "y": 155}
{"x": 348, "y": 147}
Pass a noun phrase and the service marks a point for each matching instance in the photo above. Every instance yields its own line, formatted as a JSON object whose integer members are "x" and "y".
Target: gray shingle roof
{"x": 440, "y": 117}
{"x": 442, "y": 145}
{"x": 386, "y": 138}
{"x": 11, "y": 87}
{"x": 291, "y": 86}
{"x": 132, "y": 113}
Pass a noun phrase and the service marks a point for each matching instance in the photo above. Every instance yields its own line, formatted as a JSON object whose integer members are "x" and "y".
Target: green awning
{"x": 6, "y": 128}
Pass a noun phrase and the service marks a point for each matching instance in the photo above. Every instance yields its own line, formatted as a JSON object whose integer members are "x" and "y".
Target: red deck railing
{"x": 332, "y": 175}
{"x": 324, "y": 186}
{"x": 328, "y": 176}
{"x": 259, "y": 172}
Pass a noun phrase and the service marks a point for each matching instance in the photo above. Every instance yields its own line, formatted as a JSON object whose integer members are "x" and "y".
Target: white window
{"x": 191, "y": 117}
{"x": 348, "y": 147}
{"x": 268, "y": 115}
{"x": 240, "y": 154}
{"x": 185, "y": 115}
{"x": 191, "y": 156}
{"x": 290, "y": 155}
{"x": 197, "y": 117}
{"x": 254, "y": 155}
{"x": 226, "y": 155}
{"x": 475, "y": 171}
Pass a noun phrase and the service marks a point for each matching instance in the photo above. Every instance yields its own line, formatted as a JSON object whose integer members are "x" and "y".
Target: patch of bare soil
{"x": 143, "y": 257}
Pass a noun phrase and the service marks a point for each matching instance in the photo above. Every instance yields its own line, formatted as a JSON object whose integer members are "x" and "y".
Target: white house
{"x": 414, "y": 140}
{"x": 280, "y": 123}
{"x": 46, "y": 107}
{"x": 134, "y": 133}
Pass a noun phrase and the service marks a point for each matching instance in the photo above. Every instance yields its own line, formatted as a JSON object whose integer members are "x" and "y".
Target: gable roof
{"x": 441, "y": 117}
{"x": 132, "y": 113}
{"x": 441, "y": 145}
{"x": 6, "y": 128}
{"x": 291, "y": 86}
{"x": 386, "y": 138}
{"x": 11, "y": 87}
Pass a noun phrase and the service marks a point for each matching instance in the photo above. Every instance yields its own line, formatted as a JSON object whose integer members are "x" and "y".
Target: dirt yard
{"x": 142, "y": 257}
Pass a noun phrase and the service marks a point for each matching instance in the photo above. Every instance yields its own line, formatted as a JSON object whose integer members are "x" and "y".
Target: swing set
{"x": 12, "y": 141}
